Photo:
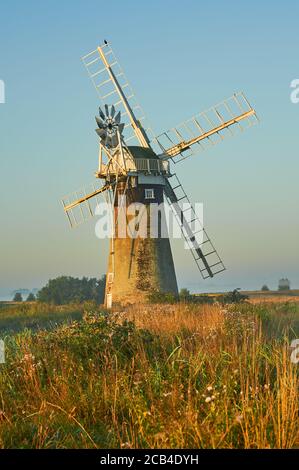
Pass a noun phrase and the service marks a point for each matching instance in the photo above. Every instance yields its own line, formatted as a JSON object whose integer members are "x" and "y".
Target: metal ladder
{"x": 202, "y": 249}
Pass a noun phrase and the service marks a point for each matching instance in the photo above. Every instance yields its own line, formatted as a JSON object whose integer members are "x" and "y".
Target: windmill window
{"x": 149, "y": 194}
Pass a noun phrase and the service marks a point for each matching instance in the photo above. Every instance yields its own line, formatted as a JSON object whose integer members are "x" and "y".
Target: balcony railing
{"x": 149, "y": 165}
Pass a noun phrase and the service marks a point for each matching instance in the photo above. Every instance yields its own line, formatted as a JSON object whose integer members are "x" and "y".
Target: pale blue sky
{"x": 180, "y": 57}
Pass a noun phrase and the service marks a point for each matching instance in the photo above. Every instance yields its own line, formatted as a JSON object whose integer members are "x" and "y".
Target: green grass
{"x": 16, "y": 317}
{"x": 175, "y": 376}
{"x": 277, "y": 319}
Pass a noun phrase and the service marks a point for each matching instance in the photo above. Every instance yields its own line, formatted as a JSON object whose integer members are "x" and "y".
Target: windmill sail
{"x": 200, "y": 245}
{"x": 80, "y": 205}
{"x": 114, "y": 89}
{"x": 207, "y": 128}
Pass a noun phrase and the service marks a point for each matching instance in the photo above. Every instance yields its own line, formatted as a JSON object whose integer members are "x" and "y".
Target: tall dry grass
{"x": 171, "y": 376}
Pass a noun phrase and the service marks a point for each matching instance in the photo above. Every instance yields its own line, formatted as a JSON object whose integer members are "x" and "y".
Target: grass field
{"x": 170, "y": 376}
{"x": 16, "y": 317}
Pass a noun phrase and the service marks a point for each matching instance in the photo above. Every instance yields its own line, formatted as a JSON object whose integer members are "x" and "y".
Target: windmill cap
{"x": 142, "y": 152}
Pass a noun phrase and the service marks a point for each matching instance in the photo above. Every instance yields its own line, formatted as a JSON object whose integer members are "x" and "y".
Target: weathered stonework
{"x": 140, "y": 266}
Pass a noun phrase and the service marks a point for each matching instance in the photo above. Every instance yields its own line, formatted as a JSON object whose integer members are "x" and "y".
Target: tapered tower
{"x": 140, "y": 258}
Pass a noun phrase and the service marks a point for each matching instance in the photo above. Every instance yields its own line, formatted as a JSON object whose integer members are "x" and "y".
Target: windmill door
{"x": 109, "y": 300}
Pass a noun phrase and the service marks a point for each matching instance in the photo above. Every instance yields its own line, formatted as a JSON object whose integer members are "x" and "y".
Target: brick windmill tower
{"x": 134, "y": 167}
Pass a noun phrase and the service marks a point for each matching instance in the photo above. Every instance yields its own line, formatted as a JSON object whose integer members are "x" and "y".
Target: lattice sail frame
{"x": 205, "y": 129}
{"x": 80, "y": 205}
{"x": 99, "y": 65}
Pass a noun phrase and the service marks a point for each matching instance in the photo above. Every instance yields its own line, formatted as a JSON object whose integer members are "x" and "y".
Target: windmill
{"x": 134, "y": 168}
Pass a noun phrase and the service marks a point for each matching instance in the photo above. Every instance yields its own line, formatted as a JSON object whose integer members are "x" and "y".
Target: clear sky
{"x": 180, "y": 57}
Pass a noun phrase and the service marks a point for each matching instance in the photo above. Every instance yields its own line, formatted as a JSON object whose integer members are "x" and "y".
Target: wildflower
{"x": 28, "y": 357}
{"x": 208, "y": 399}
{"x": 126, "y": 445}
{"x": 209, "y": 388}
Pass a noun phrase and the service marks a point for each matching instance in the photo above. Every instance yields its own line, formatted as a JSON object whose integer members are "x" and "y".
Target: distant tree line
{"x": 18, "y": 297}
{"x": 67, "y": 289}
{"x": 265, "y": 288}
{"x": 156, "y": 297}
